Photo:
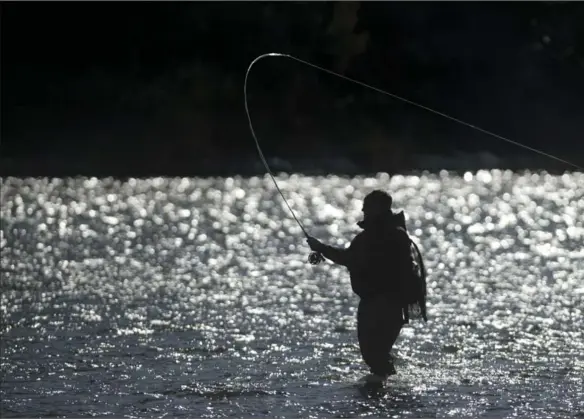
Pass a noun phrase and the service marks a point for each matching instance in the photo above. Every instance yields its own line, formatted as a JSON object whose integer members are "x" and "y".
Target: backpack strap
{"x": 402, "y": 229}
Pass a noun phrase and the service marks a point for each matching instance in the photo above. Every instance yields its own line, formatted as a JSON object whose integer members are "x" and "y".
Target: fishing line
{"x": 376, "y": 89}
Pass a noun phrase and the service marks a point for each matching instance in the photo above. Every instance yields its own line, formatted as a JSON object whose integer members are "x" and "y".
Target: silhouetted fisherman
{"x": 379, "y": 260}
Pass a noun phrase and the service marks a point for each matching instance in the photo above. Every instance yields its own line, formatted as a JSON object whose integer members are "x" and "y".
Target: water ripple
{"x": 192, "y": 297}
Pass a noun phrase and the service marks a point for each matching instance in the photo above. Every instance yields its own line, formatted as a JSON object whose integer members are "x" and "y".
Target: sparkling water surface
{"x": 193, "y": 297}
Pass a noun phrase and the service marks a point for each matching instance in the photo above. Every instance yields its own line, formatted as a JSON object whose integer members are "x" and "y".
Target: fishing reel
{"x": 315, "y": 258}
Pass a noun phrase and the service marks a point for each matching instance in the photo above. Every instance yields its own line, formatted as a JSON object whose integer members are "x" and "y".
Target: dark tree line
{"x": 162, "y": 82}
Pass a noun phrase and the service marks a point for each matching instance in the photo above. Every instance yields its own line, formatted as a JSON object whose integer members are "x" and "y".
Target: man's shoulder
{"x": 402, "y": 234}
{"x": 359, "y": 238}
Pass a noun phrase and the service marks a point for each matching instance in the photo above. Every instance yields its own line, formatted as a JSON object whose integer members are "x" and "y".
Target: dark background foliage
{"x": 129, "y": 88}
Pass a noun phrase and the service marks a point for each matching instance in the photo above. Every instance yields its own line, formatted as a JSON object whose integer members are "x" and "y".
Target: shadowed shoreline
{"x": 246, "y": 167}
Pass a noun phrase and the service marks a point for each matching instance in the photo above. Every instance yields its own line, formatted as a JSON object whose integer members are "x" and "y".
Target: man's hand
{"x": 313, "y": 243}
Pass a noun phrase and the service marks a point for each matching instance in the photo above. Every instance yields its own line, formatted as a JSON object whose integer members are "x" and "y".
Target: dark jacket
{"x": 377, "y": 258}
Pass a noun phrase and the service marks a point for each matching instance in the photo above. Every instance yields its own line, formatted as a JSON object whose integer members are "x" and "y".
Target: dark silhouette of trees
{"x": 163, "y": 81}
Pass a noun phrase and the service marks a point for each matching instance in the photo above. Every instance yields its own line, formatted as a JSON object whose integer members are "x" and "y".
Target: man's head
{"x": 376, "y": 203}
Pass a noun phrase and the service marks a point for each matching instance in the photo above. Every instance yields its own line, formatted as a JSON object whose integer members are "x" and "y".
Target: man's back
{"x": 378, "y": 256}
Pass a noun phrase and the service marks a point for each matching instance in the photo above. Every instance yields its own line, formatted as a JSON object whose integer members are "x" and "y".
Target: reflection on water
{"x": 193, "y": 297}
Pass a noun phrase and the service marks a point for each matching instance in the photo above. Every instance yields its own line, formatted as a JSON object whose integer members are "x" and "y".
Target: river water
{"x": 192, "y": 297}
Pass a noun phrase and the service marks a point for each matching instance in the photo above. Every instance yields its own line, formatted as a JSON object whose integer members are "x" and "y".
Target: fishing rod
{"x": 315, "y": 257}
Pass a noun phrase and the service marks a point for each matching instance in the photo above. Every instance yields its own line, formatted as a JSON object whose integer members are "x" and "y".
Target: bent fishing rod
{"x": 315, "y": 257}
